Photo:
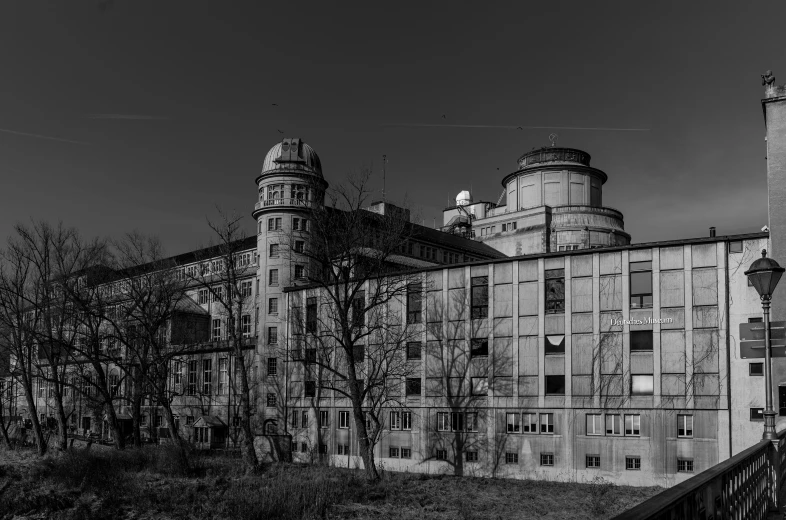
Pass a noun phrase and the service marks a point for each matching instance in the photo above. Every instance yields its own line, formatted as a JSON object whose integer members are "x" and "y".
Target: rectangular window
{"x": 245, "y": 289}
{"x": 480, "y": 385}
{"x": 406, "y": 453}
{"x": 547, "y": 423}
{"x": 632, "y": 463}
{"x": 555, "y": 385}
{"x": 443, "y": 422}
{"x": 191, "y": 388}
{"x": 271, "y": 400}
{"x": 641, "y": 340}
{"x": 479, "y": 347}
{"x": 272, "y": 366}
{"x": 546, "y": 459}
{"x": 479, "y": 297}
{"x": 593, "y": 461}
{"x": 406, "y": 420}
{"x": 641, "y": 285}
{"x": 413, "y": 386}
{"x": 633, "y": 424}
{"x": 414, "y": 303}
{"x": 529, "y": 423}
{"x": 685, "y": 465}
{"x": 511, "y": 458}
{"x": 641, "y": 385}
{"x": 393, "y": 452}
{"x": 457, "y": 421}
{"x": 343, "y": 419}
{"x": 513, "y": 423}
{"x": 323, "y": 449}
{"x": 613, "y": 424}
{"x": 756, "y": 369}
{"x": 441, "y": 454}
{"x": 684, "y": 426}
{"x": 311, "y": 315}
{"x": 395, "y": 420}
{"x": 300, "y": 272}
{"x": 274, "y": 251}
{"x": 304, "y": 420}
{"x": 245, "y": 325}
{"x": 594, "y": 424}
{"x": 358, "y": 309}
{"x": 273, "y": 277}
{"x": 203, "y": 296}
{"x": 555, "y": 291}
{"x": 296, "y": 224}
{"x": 207, "y": 376}
{"x": 272, "y": 306}
{"x": 299, "y": 246}
{"x": 223, "y": 376}
{"x": 735, "y": 246}
{"x": 271, "y": 223}
{"x": 272, "y": 335}
{"x": 323, "y": 419}
{"x": 303, "y": 447}
{"x": 555, "y": 344}
{"x": 343, "y": 449}
{"x": 471, "y": 456}
{"x": 413, "y": 350}
{"x": 311, "y": 388}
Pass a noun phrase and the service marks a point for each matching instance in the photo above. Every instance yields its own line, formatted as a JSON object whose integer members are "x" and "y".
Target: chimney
{"x": 712, "y": 232}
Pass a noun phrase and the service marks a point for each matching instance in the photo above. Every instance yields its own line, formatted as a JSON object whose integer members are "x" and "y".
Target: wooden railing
{"x": 746, "y": 486}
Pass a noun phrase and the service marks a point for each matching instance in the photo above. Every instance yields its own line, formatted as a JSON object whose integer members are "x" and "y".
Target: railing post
{"x": 774, "y": 476}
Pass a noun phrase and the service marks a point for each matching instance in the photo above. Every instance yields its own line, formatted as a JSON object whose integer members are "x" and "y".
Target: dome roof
{"x": 292, "y": 154}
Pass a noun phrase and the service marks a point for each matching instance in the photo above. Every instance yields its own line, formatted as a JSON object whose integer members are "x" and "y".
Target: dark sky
{"x": 165, "y": 108}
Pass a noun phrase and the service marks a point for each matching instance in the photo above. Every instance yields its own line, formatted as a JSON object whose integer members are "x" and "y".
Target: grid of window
{"x": 271, "y": 400}
{"x": 272, "y": 335}
{"x": 272, "y": 306}
{"x": 207, "y": 376}
{"x": 593, "y": 461}
{"x": 685, "y": 465}
{"x": 203, "y": 296}
{"x": 216, "y": 329}
{"x": 633, "y": 463}
{"x": 272, "y": 366}
{"x": 555, "y": 290}
{"x": 471, "y": 456}
{"x": 511, "y": 458}
{"x": 343, "y": 449}
{"x": 684, "y": 426}
{"x": 273, "y": 278}
{"x": 245, "y": 289}
{"x": 393, "y": 452}
{"x": 546, "y": 459}
{"x": 395, "y": 420}
{"x": 300, "y": 272}
{"x": 414, "y": 303}
{"x": 441, "y": 454}
{"x": 274, "y": 250}
{"x": 245, "y": 325}
{"x": 479, "y": 297}
{"x": 641, "y": 285}
{"x": 191, "y": 387}
{"x": 343, "y": 419}
{"x": 300, "y": 246}
{"x": 406, "y": 453}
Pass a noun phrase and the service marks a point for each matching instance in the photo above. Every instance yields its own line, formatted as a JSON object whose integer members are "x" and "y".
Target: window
{"x": 272, "y": 306}
{"x": 311, "y": 388}
{"x": 480, "y": 386}
{"x": 735, "y": 246}
{"x": 203, "y": 296}
{"x": 272, "y": 366}
{"x": 443, "y": 425}
{"x": 323, "y": 449}
{"x": 640, "y": 285}
{"x": 513, "y": 423}
{"x": 479, "y": 347}
{"x": 273, "y": 278}
{"x": 413, "y": 386}
{"x": 757, "y": 414}
{"x": 223, "y": 376}
{"x": 555, "y": 385}
{"x": 311, "y": 315}
{"x": 685, "y": 465}
{"x": 547, "y": 423}
{"x": 414, "y": 303}
{"x": 245, "y": 325}
{"x": 311, "y": 356}
{"x": 511, "y": 458}
{"x": 358, "y": 309}
{"x": 471, "y": 455}
{"x": 303, "y": 447}
{"x": 633, "y": 424}
{"x": 756, "y": 369}
{"x": 529, "y": 423}
{"x": 299, "y": 246}
{"x": 343, "y": 449}
{"x": 271, "y": 400}
{"x": 395, "y": 420}
{"x": 684, "y": 426}
{"x": 245, "y": 289}
{"x": 406, "y": 453}
{"x": 441, "y": 455}
{"x": 641, "y": 385}
{"x": 479, "y": 297}
{"x": 546, "y": 459}
{"x": 613, "y": 424}
{"x": 343, "y": 420}
{"x": 472, "y": 421}
{"x": 324, "y": 419}
{"x": 274, "y": 251}
{"x": 300, "y": 272}
{"x": 594, "y": 424}
{"x": 555, "y": 344}
{"x": 272, "y": 335}
{"x": 633, "y": 463}
{"x": 406, "y": 420}
{"x": 457, "y": 421}
{"x": 393, "y": 452}
{"x": 641, "y": 340}
{"x": 191, "y": 388}
{"x": 207, "y": 376}
{"x": 593, "y": 461}
{"x": 755, "y": 320}
{"x": 304, "y": 420}
{"x": 413, "y": 350}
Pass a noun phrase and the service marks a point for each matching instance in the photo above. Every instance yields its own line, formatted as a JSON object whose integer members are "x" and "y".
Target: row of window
{"x": 490, "y": 230}
{"x": 216, "y": 294}
{"x": 217, "y": 327}
{"x": 298, "y": 224}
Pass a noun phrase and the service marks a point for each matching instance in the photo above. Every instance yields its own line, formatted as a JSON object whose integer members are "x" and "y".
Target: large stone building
{"x": 548, "y": 345}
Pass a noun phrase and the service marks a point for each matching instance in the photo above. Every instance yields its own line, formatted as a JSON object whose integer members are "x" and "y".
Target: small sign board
{"x": 752, "y": 340}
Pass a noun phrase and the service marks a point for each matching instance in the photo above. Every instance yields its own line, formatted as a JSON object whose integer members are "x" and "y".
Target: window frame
{"x": 616, "y": 429}
{"x": 647, "y": 344}
{"x": 414, "y": 303}
{"x": 759, "y": 373}
{"x": 633, "y": 377}
{"x": 600, "y": 430}
{"x": 632, "y": 463}
{"x": 635, "y": 425}
{"x": 682, "y": 425}
{"x": 643, "y": 300}
{"x": 527, "y": 424}
{"x": 343, "y": 419}
{"x": 547, "y": 459}
{"x": 554, "y": 279}
{"x": 511, "y": 457}
{"x": 479, "y": 297}
{"x": 592, "y": 461}
{"x": 514, "y": 425}
{"x": 685, "y": 465}
{"x": 412, "y": 347}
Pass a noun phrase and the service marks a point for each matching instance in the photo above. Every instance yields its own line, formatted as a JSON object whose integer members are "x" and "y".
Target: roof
{"x": 209, "y": 421}
{"x": 292, "y": 154}
{"x": 187, "y": 304}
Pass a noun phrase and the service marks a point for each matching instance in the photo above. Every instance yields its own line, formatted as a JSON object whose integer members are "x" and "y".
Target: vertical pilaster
{"x": 656, "y": 359}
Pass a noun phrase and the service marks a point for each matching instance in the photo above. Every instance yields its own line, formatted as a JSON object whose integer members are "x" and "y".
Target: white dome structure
{"x": 464, "y": 198}
{"x": 292, "y": 154}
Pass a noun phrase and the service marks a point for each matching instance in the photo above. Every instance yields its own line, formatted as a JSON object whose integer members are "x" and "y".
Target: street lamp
{"x": 764, "y": 275}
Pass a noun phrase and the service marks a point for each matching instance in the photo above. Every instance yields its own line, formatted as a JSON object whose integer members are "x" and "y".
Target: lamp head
{"x": 764, "y": 274}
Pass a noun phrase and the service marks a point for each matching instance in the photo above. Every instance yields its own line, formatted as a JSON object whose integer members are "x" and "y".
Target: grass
{"x": 155, "y": 482}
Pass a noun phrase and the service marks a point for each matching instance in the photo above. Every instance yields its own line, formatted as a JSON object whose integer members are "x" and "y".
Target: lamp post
{"x": 764, "y": 275}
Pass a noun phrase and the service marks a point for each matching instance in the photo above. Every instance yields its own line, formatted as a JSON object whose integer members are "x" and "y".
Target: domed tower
{"x": 289, "y": 185}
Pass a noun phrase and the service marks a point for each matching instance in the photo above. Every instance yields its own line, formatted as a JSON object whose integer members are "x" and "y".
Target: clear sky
{"x": 164, "y": 110}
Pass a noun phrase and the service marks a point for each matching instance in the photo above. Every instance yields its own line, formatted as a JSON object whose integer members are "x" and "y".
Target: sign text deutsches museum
{"x": 646, "y": 321}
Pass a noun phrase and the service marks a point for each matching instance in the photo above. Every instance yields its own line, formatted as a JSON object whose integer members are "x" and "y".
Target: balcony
{"x": 270, "y": 203}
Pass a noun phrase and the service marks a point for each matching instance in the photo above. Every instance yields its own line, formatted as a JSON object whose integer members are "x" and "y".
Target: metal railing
{"x": 282, "y": 202}
{"x": 746, "y": 486}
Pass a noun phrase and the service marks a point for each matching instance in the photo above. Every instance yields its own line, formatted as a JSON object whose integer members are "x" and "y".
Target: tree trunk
{"x": 136, "y": 414}
{"x": 62, "y": 421}
{"x": 4, "y": 429}
{"x": 33, "y": 411}
{"x": 249, "y": 454}
{"x": 114, "y": 425}
{"x": 366, "y": 446}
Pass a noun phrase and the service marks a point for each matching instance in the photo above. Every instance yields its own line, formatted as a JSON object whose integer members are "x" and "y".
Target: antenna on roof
{"x": 384, "y": 161}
